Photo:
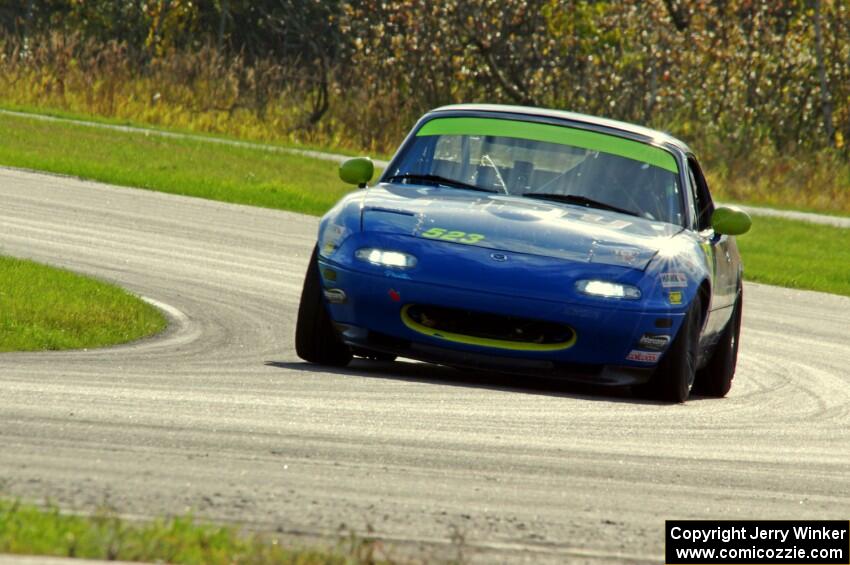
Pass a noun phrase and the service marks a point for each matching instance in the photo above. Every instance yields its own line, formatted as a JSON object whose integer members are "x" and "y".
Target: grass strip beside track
{"x": 43, "y": 307}
{"x": 797, "y": 255}
{"x": 189, "y": 167}
{"x": 776, "y": 251}
{"x": 29, "y": 530}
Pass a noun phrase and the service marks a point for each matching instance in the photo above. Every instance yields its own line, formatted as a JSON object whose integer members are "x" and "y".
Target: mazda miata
{"x": 532, "y": 242}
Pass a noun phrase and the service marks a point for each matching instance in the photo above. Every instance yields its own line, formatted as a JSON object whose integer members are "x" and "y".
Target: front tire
{"x": 316, "y": 340}
{"x": 674, "y": 377}
{"x": 716, "y": 378}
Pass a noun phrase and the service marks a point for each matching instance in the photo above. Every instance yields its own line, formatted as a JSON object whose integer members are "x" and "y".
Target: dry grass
{"x": 205, "y": 92}
{"x": 202, "y": 92}
{"x": 815, "y": 182}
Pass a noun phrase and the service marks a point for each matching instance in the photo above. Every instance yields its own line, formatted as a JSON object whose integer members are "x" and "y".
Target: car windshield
{"x": 543, "y": 161}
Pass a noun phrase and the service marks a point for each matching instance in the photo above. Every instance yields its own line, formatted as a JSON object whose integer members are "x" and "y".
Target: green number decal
{"x": 472, "y": 238}
{"x": 433, "y": 233}
{"x": 452, "y": 235}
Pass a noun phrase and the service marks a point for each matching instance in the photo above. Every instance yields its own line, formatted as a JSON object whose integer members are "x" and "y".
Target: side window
{"x": 702, "y": 199}
{"x": 692, "y": 197}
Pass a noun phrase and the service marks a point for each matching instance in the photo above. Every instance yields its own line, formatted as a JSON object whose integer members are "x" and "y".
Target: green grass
{"x": 781, "y": 252}
{"x": 29, "y": 530}
{"x": 193, "y": 168}
{"x": 797, "y": 255}
{"x": 46, "y": 308}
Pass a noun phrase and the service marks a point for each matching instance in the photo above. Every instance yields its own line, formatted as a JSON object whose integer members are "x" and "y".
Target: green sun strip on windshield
{"x": 562, "y": 135}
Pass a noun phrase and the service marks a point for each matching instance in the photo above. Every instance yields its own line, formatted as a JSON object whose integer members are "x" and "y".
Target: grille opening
{"x": 490, "y": 326}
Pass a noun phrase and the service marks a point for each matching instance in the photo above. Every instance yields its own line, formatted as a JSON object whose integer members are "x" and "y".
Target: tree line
{"x": 722, "y": 73}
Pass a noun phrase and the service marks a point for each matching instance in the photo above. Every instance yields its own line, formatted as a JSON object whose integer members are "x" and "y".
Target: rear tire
{"x": 316, "y": 340}
{"x": 716, "y": 378}
{"x": 674, "y": 377}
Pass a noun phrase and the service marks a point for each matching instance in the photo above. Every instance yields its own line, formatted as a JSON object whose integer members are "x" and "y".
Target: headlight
{"x": 386, "y": 258}
{"x": 607, "y": 289}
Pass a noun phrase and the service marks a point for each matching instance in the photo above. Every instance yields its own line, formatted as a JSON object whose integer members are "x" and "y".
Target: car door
{"x": 719, "y": 248}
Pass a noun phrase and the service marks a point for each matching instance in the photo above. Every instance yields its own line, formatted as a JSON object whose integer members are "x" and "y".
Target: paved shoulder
{"x": 823, "y": 219}
{"x": 322, "y": 155}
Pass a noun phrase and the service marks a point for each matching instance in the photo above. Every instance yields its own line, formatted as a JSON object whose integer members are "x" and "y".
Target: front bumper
{"x": 605, "y": 334}
{"x": 364, "y": 338}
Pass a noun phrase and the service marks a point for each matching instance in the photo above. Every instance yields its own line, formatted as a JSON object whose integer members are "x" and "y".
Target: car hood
{"x": 515, "y": 224}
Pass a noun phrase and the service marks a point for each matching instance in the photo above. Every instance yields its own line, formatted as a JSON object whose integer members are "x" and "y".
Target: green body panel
{"x": 549, "y": 133}
{"x": 730, "y": 220}
{"x": 357, "y": 171}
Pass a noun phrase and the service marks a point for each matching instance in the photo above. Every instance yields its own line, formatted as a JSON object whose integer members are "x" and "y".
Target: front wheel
{"x": 316, "y": 339}
{"x": 675, "y": 374}
{"x": 716, "y": 378}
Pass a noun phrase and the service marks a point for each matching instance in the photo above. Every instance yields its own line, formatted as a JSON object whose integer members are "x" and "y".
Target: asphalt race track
{"x": 218, "y": 416}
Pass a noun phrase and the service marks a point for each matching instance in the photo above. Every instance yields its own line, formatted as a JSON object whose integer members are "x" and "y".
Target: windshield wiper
{"x": 579, "y": 201}
{"x": 487, "y": 160}
{"x": 437, "y": 179}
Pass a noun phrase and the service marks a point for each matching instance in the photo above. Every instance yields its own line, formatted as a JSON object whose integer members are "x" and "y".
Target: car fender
{"x": 339, "y": 223}
{"x": 679, "y": 270}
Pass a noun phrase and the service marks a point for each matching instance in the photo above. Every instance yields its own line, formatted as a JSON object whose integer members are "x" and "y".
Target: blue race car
{"x": 531, "y": 242}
